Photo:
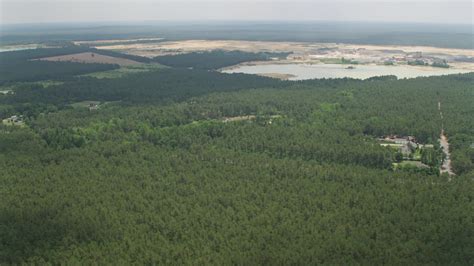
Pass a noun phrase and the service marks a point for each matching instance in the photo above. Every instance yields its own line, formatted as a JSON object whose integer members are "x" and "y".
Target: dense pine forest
{"x": 214, "y": 59}
{"x": 24, "y": 65}
{"x": 194, "y": 166}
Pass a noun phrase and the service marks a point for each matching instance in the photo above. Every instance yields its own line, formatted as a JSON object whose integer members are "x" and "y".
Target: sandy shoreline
{"x": 306, "y": 52}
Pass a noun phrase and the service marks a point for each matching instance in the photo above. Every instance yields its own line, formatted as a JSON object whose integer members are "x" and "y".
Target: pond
{"x": 314, "y": 71}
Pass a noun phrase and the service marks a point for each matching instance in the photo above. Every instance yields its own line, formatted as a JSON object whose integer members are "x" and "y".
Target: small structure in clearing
{"x": 239, "y": 118}
{"x": 267, "y": 119}
{"x": 93, "y": 106}
{"x": 14, "y": 120}
{"x": 409, "y": 151}
{"x": 406, "y": 145}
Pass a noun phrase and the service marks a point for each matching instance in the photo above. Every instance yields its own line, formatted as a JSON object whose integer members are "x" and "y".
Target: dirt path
{"x": 443, "y": 141}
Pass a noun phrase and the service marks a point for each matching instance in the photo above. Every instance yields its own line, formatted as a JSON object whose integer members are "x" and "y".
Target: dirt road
{"x": 443, "y": 141}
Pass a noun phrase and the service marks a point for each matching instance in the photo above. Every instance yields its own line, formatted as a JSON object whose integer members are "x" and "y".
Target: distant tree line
{"x": 214, "y": 59}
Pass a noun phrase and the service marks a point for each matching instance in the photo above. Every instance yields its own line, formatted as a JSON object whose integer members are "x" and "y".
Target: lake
{"x": 315, "y": 71}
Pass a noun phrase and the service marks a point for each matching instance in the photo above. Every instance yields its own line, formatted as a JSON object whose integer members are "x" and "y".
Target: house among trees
{"x": 405, "y": 144}
{"x": 93, "y": 106}
{"x": 400, "y": 140}
{"x": 14, "y": 120}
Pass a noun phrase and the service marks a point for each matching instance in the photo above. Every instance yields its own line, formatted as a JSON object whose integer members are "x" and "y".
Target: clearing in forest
{"x": 125, "y": 70}
{"x": 89, "y": 57}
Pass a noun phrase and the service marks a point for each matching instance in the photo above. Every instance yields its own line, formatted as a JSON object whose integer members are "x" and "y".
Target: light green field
{"x": 116, "y": 73}
{"x": 48, "y": 83}
{"x": 84, "y": 104}
{"x": 45, "y": 83}
{"x": 417, "y": 155}
{"x": 404, "y": 164}
{"x": 125, "y": 70}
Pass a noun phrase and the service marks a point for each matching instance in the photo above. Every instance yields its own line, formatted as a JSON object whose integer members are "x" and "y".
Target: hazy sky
{"x": 441, "y": 11}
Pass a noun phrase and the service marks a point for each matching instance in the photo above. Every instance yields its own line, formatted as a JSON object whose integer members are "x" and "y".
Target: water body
{"x": 316, "y": 71}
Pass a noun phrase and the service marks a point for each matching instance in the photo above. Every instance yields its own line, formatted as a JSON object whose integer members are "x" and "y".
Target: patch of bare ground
{"x": 248, "y": 117}
{"x": 89, "y": 57}
{"x": 305, "y": 51}
{"x": 443, "y": 141}
{"x": 188, "y": 46}
{"x": 114, "y": 41}
{"x": 239, "y": 118}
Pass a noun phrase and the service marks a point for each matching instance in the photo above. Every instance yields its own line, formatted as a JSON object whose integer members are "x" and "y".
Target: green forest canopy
{"x": 214, "y": 59}
{"x": 155, "y": 175}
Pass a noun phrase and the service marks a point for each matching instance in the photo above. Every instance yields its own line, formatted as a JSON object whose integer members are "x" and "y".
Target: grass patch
{"x": 329, "y": 107}
{"x": 5, "y": 89}
{"x": 84, "y": 104}
{"x": 417, "y": 155}
{"x": 48, "y": 83}
{"x": 87, "y": 104}
{"x": 125, "y": 70}
{"x": 409, "y": 164}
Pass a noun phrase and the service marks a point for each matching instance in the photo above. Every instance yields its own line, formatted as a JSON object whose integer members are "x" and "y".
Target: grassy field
{"x": 85, "y": 104}
{"x": 120, "y": 72}
{"x": 404, "y": 164}
{"x": 45, "y": 83}
{"x": 115, "y": 73}
{"x": 417, "y": 155}
{"x": 48, "y": 83}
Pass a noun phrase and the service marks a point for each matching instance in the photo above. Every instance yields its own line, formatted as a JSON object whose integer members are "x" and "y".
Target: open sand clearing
{"x": 89, "y": 57}
{"x": 258, "y": 46}
{"x": 100, "y": 42}
{"x": 307, "y": 52}
{"x": 177, "y": 47}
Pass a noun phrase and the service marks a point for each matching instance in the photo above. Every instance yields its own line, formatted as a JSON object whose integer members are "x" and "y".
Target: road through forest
{"x": 446, "y": 165}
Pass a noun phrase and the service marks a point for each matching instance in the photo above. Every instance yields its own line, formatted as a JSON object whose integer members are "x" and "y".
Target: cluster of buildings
{"x": 416, "y": 58}
{"x": 364, "y": 55}
{"x": 93, "y": 106}
{"x": 405, "y": 144}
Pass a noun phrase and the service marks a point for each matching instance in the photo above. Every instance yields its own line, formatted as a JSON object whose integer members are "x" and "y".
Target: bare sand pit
{"x": 188, "y": 46}
{"x": 114, "y": 41}
{"x": 259, "y": 46}
{"x": 307, "y": 52}
{"x": 89, "y": 57}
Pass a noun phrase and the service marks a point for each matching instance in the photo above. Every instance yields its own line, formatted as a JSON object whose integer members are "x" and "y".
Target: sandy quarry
{"x": 165, "y": 48}
{"x": 308, "y": 52}
{"x": 256, "y": 46}
{"x": 91, "y": 58}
